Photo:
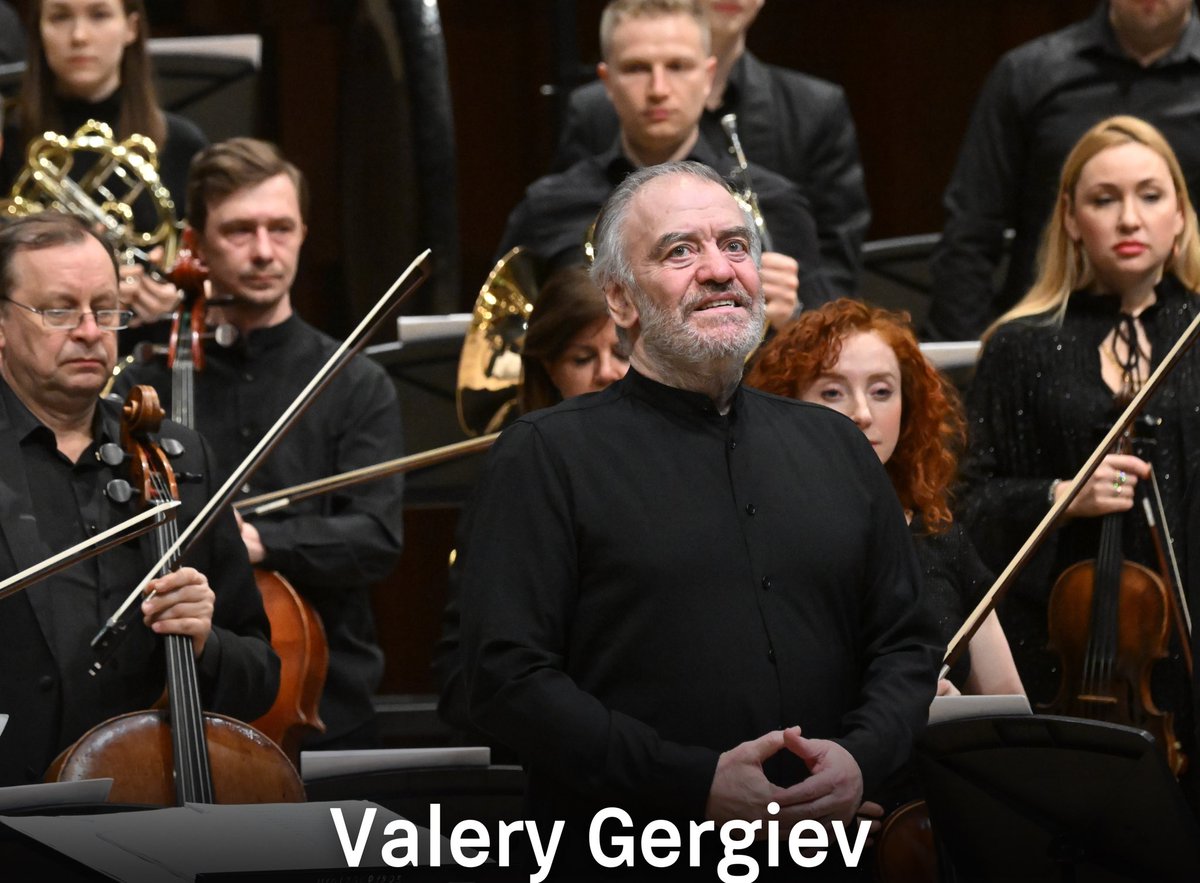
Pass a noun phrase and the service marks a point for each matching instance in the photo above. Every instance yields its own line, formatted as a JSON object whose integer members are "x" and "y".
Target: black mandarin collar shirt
{"x": 647, "y": 583}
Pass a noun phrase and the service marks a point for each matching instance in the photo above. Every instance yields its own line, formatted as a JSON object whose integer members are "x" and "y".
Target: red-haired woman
{"x": 865, "y": 363}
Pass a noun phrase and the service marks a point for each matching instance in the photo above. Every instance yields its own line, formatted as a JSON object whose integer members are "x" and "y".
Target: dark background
{"x": 911, "y": 70}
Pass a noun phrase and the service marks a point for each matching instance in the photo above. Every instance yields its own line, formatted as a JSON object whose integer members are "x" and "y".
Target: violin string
{"x": 1110, "y": 598}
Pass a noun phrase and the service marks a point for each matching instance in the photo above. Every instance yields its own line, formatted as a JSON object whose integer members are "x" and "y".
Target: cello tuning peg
{"x": 146, "y": 352}
{"x": 111, "y": 454}
{"x": 119, "y": 490}
{"x": 172, "y": 447}
{"x": 224, "y": 335}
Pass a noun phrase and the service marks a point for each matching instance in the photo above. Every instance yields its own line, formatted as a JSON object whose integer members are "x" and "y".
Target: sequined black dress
{"x": 1037, "y": 408}
{"x": 955, "y": 580}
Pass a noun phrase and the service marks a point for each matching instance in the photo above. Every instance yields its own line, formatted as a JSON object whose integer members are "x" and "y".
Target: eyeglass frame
{"x": 125, "y": 315}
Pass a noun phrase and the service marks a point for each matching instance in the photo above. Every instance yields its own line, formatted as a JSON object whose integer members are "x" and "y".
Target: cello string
{"x": 195, "y": 774}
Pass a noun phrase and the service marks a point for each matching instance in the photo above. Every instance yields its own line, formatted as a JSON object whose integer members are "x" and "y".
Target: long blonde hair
{"x": 1062, "y": 263}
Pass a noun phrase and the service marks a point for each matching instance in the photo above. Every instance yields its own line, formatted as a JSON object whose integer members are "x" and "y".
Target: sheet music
{"x": 316, "y": 765}
{"x": 87, "y": 791}
{"x": 948, "y": 708}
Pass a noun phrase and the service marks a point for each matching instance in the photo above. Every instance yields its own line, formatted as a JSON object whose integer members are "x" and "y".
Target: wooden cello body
{"x": 135, "y": 750}
{"x": 182, "y": 754}
{"x": 298, "y": 638}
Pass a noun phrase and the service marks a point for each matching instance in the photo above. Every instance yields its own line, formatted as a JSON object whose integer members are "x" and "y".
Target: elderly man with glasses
{"x": 59, "y": 314}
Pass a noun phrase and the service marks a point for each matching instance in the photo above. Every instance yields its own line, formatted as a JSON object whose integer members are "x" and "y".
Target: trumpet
{"x": 122, "y": 179}
{"x": 741, "y": 176}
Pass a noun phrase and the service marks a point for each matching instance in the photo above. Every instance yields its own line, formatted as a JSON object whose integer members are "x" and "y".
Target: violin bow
{"x": 274, "y": 500}
{"x": 988, "y": 602}
{"x": 1164, "y": 547}
{"x": 409, "y": 281}
{"x": 129, "y": 529}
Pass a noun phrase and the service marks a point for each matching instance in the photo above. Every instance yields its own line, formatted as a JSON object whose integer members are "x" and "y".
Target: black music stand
{"x": 1045, "y": 798}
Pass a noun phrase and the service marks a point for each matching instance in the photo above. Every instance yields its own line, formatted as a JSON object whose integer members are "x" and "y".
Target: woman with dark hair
{"x": 87, "y": 60}
{"x": 865, "y": 362}
{"x": 1119, "y": 271}
{"x": 571, "y": 346}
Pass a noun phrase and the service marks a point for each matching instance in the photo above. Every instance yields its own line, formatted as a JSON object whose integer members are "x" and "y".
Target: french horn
{"x": 117, "y": 187}
{"x": 489, "y": 366}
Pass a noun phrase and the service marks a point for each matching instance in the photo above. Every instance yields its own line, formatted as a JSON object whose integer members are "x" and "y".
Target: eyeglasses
{"x": 63, "y": 319}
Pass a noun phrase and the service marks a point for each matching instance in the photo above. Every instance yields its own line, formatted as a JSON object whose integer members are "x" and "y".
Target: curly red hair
{"x": 932, "y": 428}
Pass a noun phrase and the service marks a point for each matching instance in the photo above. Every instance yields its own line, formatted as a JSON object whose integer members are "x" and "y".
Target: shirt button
{"x": 766, "y": 582}
{"x": 750, "y": 509}
{"x": 46, "y": 683}
{"x": 248, "y": 377}
{"x": 245, "y": 432}
{"x": 732, "y": 444}
{"x": 771, "y": 656}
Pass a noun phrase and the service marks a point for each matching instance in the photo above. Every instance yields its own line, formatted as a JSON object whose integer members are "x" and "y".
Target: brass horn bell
{"x": 118, "y": 188}
{"x": 489, "y": 367}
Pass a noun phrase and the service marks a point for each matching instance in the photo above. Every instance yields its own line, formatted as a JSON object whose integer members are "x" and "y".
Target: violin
{"x": 297, "y": 634}
{"x": 1109, "y": 621}
{"x": 184, "y": 754}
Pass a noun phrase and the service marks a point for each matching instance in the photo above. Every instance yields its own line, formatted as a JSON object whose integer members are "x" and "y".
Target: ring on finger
{"x": 1121, "y": 477}
{"x": 1116, "y": 489}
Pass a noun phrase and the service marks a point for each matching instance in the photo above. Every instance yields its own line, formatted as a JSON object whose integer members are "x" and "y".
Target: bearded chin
{"x": 669, "y": 340}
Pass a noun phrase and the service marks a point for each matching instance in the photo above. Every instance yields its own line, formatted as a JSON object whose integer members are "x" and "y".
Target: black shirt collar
{"x": 682, "y": 402}
{"x": 106, "y": 425}
{"x": 616, "y": 164}
{"x": 76, "y": 111}
{"x": 1098, "y": 36}
{"x": 1168, "y": 292}
{"x": 731, "y": 97}
{"x": 272, "y": 337}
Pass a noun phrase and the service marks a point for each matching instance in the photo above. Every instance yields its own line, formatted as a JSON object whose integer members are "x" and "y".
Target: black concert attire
{"x": 648, "y": 583}
{"x": 791, "y": 123}
{"x": 1189, "y": 545}
{"x": 553, "y": 219}
{"x": 12, "y": 35}
{"x": 330, "y": 547}
{"x": 955, "y": 582}
{"x": 1036, "y": 104}
{"x": 48, "y": 504}
{"x": 1037, "y": 409}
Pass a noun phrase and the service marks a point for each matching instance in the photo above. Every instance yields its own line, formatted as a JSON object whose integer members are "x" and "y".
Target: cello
{"x": 184, "y": 754}
{"x": 297, "y": 634}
